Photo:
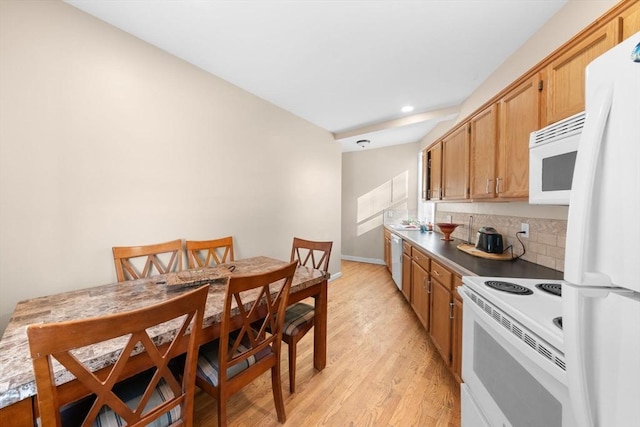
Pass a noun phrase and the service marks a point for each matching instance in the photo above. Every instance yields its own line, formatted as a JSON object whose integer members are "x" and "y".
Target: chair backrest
{"x": 206, "y": 253}
{"x": 62, "y": 340}
{"x": 260, "y": 321}
{"x": 125, "y": 258}
{"x": 311, "y": 254}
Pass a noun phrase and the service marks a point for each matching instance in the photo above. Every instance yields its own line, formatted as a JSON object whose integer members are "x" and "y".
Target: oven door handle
{"x": 573, "y": 321}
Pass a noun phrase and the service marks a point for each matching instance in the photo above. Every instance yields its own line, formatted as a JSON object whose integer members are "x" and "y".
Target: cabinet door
{"x": 565, "y": 74}
{"x": 420, "y": 294}
{"x": 441, "y": 319}
{"x": 406, "y": 276}
{"x": 519, "y": 116}
{"x": 387, "y": 249}
{"x": 629, "y": 21}
{"x": 456, "y": 339}
{"x": 425, "y": 175}
{"x": 455, "y": 164}
{"x": 456, "y": 331}
{"x": 482, "y": 146}
{"x": 434, "y": 168}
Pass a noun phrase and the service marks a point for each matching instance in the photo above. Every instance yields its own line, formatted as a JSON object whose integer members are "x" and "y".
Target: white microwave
{"x": 552, "y": 158}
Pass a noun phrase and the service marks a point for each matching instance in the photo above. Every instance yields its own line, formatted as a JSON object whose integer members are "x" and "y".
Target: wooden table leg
{"x": 320, "y": 328}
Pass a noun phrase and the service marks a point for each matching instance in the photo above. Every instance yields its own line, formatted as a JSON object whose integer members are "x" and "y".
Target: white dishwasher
{"x": 396, "y": 260}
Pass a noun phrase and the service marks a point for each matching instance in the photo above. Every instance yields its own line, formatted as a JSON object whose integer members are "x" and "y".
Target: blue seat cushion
{"x": 298, "y": 315}
{"x": 208, "y": 365}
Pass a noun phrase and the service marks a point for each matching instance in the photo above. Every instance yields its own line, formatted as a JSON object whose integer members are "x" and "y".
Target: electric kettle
{"x": 489, "y": 240}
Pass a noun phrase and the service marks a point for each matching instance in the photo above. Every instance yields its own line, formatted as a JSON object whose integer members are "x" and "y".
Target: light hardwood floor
{"x": 382, "y": 370}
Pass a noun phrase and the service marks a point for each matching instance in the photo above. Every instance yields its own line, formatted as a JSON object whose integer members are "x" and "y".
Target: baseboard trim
{"x": 365, "y": 260}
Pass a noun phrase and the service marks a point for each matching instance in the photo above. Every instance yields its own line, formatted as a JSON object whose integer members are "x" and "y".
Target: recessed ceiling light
{"x": 407, "y": 108}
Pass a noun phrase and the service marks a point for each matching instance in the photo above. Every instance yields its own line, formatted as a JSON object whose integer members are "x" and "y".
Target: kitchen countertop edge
{"x": 464, "y": 264}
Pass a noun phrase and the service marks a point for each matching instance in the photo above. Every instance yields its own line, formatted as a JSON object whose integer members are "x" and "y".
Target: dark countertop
{"x": 464, "y": 264}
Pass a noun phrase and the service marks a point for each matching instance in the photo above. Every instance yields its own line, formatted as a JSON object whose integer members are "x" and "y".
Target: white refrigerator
{"x": 601, "y": 302}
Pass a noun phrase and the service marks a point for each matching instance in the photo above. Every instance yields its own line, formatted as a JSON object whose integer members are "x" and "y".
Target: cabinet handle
{"x": 488, "y": 189}
{"x": 498, "y": 185}
{"x": 450, "y": 310}
{"x": 436, "y": 272}
{"x": 429, "y": 286}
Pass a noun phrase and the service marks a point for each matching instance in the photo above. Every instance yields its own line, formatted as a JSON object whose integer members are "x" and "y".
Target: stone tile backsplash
{"x": 545, "y": 244}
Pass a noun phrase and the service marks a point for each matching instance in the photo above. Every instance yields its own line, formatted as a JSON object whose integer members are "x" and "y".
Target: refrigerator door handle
{"x": 574, "y": 316}
{"x": 584, "y": 178}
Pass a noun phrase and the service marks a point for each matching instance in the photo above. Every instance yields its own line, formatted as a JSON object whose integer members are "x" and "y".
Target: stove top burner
{"x": 552, "y": 288}
{"x": 508, "y": 287}
{"x": 558, "y": 322}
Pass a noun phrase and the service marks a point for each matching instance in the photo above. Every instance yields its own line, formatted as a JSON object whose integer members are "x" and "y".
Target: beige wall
{"x": 106, "y": 140}
{"x": 373, "y": 180}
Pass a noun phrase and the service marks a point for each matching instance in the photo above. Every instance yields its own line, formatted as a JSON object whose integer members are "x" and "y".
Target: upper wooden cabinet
{"x": 519, "y": 116}
{"x": 486, "y": 157}
{"x": 483, "y": 142}
{"x": 629, "y": 21}
{"x": 455, "y": 164}
{"x": 565, "y": 73}
{"x": 434, "y": 172}
{"x": 425, "y": 175}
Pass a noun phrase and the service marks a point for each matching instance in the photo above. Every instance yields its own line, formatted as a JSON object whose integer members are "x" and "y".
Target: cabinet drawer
{"x": 406, "y": 248}
{"x": 420, "y": 258}
{"x": 441, "y": 274}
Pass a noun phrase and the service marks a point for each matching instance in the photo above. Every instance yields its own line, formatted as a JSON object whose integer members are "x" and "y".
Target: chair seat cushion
{"x": 208, "y": 365}
{"x": 298, "y": 315}
{"x": 130, "y": 391}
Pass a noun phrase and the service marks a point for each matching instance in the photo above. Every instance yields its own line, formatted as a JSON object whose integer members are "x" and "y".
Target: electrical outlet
{"x": 390, "y": 214}
{"x": 525, "y": 228}
{"x": 449, "y": 219}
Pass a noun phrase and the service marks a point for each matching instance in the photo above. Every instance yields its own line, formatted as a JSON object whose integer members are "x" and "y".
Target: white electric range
{"x": 513, "y": 365}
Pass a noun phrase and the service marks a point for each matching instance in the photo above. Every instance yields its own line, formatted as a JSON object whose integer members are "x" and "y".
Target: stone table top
{"x": 17, "y": 381}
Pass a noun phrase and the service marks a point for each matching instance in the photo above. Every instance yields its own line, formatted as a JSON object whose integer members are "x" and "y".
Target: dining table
{"x": 18, "y": 393}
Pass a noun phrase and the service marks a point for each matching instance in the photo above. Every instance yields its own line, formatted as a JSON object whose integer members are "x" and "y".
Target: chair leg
{"x": 292, "y": 365}
{"x": 222, "y": 412}
{"x": 276, "y": 385}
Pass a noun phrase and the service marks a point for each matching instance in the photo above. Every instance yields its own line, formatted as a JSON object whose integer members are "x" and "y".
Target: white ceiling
{"x": 346, "y": 66}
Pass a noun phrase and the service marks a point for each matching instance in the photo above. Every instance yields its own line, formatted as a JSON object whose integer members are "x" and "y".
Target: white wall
{"x": 373, "y": 180}
{"x": 108, "y": 141}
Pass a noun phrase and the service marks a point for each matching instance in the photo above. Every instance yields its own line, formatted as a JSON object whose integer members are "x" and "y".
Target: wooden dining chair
{"x": 206, "y": 253}
{"x": 300, "y": 316}
{"x": 250, "y": 338}
{"x": 159, "y": 395}
{"x": 158, "y": 258}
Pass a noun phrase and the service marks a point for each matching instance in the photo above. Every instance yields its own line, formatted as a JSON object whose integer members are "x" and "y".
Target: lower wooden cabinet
{"x": 387, "y": 249}
{"x": 430, "y": 289}
{"x": 406, "y": 276}
{"x": 456, "y": 338}
{"x": 420, "y": 301}
{"x": 440, "y": 321}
